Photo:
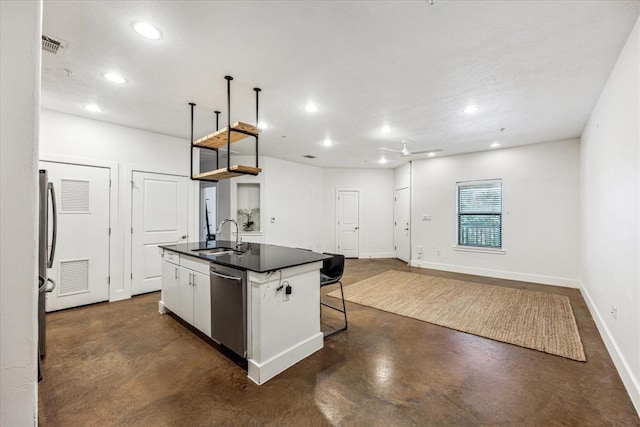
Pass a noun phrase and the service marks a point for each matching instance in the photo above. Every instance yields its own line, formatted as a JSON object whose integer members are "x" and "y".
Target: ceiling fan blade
{"x": 434, "y": 150}
{"x": 389, "y": 149}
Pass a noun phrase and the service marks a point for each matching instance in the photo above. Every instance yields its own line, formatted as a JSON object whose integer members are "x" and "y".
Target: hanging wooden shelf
{"x": 223, "y": 173}
{"x": 223, "y": 138}
{"x": 218, "y": 139}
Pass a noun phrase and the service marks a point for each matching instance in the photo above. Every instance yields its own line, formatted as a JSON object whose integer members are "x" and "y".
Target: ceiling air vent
{"x": 52, "y": 45}
{"x": 309, "y": 156}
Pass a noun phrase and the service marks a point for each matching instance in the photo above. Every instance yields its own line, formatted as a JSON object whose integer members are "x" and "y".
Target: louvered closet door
{"x": 81, "y": 264}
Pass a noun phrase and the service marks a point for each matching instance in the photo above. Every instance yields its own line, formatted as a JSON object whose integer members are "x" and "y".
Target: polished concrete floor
{"x": 124, "y": 364}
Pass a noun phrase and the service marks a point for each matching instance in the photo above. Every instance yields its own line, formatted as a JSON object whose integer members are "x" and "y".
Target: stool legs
{"x": 343, "y": 311}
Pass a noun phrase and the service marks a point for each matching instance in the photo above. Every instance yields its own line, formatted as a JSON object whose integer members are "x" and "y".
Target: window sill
{"x": 479, "y": 250}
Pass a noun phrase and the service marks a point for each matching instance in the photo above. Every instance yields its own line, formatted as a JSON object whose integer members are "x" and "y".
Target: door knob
{"x": 184, "y": 237}
{"x": 356, "y": 228}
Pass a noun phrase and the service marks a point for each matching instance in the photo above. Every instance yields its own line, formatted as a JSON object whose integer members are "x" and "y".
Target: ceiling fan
{"x": 405, "y": 151}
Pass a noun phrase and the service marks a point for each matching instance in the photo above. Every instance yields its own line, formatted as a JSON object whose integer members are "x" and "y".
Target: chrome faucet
{"x": 238, "y": 243}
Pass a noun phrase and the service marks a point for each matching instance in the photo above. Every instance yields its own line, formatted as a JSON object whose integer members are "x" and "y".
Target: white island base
{"x": 282, "y": 329}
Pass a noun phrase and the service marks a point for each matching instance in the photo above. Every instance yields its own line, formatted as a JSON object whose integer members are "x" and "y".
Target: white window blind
{"x": 480, "y": 214}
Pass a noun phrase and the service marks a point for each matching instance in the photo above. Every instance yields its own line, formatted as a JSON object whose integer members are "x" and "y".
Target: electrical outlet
{"x": 614, "y": 312}
{"x": 438, "y": 252}
{"x": 419, "y": 250}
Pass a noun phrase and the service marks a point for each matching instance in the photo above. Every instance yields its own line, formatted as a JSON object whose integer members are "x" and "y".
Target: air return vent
{"x": 52, "y": 45}
{"x": 74, "y": 277}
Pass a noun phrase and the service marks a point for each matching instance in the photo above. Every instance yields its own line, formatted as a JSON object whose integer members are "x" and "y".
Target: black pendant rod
{"x": 217, "y": 113}
{"x": 257, "y": 90}
{"x": 228, "y": 78}
{"x": 191, "y": 151}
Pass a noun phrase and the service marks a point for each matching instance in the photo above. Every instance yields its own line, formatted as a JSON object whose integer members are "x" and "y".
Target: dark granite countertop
{"x": 256, "y": 257}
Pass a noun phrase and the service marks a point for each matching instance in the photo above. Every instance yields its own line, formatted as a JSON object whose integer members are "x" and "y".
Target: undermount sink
{"x": 214, "y": 251}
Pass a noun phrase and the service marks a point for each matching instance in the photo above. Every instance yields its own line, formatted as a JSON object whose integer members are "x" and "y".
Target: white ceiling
{"x": 535, "y": 68}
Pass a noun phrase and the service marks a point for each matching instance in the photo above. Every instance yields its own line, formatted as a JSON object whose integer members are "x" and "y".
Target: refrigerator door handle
{"x": 55, "y": 226}
{"x": 42, "y": 284}
{"x": 53, "y": 282}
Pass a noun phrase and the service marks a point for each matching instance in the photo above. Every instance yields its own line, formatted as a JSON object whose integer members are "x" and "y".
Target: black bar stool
{"x": 330, "y": 273}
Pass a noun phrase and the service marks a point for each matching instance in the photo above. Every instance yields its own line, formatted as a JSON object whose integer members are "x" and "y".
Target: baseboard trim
{"x": 260, "y": 373}
{"x": 377, "y": 255}
{"x": 630, "y": 382}
{"x": 162, "y": 309}
{"x": 499, "y": 274}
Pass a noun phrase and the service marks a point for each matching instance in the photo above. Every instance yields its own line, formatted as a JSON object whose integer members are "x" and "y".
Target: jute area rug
{"x": 535, "y": 320}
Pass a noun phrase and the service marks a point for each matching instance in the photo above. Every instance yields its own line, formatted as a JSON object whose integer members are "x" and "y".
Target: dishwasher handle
{"x": 239, "y": 279}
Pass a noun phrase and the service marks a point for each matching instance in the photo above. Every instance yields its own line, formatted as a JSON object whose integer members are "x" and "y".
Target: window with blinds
{"x": 480, "y": 214}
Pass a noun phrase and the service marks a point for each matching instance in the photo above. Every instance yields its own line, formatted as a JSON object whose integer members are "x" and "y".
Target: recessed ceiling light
{"x": 431, "y": 154}
{"x": 382, "y": 160}
{"x": 327, "y": 142}
{"x": 471, "y": 109}
{"x": 93, "y": 108}
{"x": 385, "y": 129}
{"x": 114, "y": 78}
{"x": 495, "y": 145}
{"x": 147, "y": 30}
{"x": 311, "y": 108}
{"x": 263, "y": 125}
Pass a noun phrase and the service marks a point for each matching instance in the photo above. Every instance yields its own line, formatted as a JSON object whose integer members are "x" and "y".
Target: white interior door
{"x": 81, "y": 264}
{"x": 401, "y": 227}
{"x": 158, "y": 216}
{"x": 347, "y": 216}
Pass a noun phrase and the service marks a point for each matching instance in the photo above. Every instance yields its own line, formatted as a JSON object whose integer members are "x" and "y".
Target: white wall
{"x": 20, "y": 33}
{"x": 402, "y": 176}
{"x": 610, "y": 174}
{"x": 540, "y": 212}
{"x": 291, "y": 193}
{"x": 293, "y": 197}
{"x": 68, "y": 138}
{"x": 376, "y": 209}
{"x": 78, "y": 137}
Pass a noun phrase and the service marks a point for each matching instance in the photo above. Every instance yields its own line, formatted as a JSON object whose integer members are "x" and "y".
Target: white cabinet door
{"x": 201, "y": 302}
{"x": 185, "y": 295}
{"x": 170, "y": 285}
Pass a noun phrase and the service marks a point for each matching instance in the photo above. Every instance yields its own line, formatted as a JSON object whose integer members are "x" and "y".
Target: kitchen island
{"x": 267, "y": 311}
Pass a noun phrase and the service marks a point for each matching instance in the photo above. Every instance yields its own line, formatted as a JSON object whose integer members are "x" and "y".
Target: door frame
{"x": 335, "y": 221}
{"x": 395, "y": 222}
{"x": 193, "y": 202}
{"x": 114, "y": 266}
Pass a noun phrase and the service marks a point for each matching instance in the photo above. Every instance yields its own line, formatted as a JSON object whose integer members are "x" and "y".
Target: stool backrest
{"x": 333, "y": 267}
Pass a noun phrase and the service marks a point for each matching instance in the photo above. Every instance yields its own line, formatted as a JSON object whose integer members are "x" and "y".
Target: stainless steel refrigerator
{"x": 46, "y": 251}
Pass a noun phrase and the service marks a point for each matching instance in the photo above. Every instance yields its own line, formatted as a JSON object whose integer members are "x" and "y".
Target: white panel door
{"x": 347, "y": 215}
{"x": 158, "y": 216}
{"x": 81, "y": 264}
{"x": 401, "y": 228}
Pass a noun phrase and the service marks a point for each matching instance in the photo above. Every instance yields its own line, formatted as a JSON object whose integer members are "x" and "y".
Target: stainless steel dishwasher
{"x": 229, "y": 308}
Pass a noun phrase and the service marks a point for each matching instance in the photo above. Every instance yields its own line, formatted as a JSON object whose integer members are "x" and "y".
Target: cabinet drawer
{"x": 194, "y": 264}
{"x": 171, "y": 257}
